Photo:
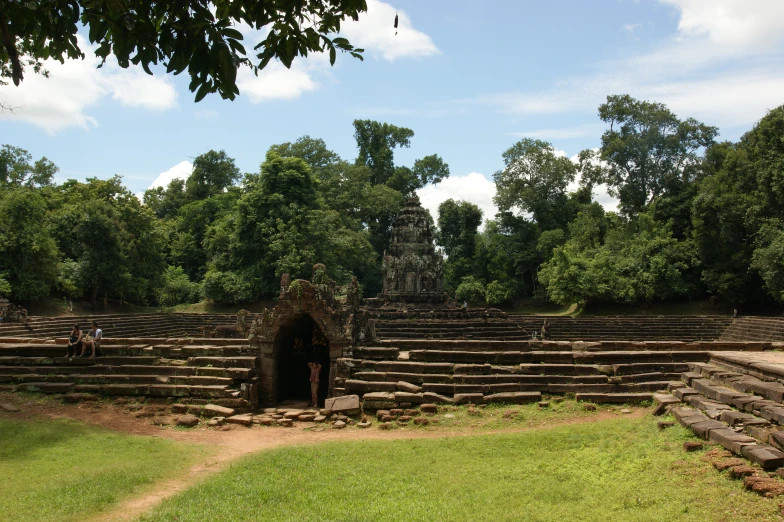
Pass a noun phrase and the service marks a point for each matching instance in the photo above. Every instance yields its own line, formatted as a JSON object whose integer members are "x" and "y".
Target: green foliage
{"x": 176, "y": 288}
{"x": 648, "y": 152}
{"x": 470, "y": 290}
{"x": 534, "y": 181}
{"x": 179, "y": 35}
{"x": 606, "y": 260}
{"x": 230, "y": 287}
{"x": 499, "y": 293}
{"x": 28, "y": 254}
{"x": 16, "y": 169}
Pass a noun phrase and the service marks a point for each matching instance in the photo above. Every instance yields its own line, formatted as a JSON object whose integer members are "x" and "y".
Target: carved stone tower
{"x": 413, "y": 270}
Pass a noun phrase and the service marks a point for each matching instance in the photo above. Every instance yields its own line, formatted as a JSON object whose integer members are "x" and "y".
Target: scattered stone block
{"x": 348, "y": 404}
{"x": 743, "y": 471}
{"x": 364, "y": 424}
{"x": 213, "y": 410}
{"x": 543, "y": 404}
{"x": 242, "y": 420}
{"x": 9, "y": 407}
{"x": 428, "y": 408}
{"x": 663, "y": 425}
{"x": 293, "y": 415}
{"x": 767, "y": 457}
{"x": 187, "y": 420}
{"x": 306, "y": 417}
{"x": 286, "y": 423}
{"x": 692, "y": 445}
{"x": 731, "y": 440}
{"x": 320, "y": 418}
{"x": 179, "y": 408}
{"x": 404, "y": 418}
{"x": 385, "y": 426}
{"x": 387, "y": 418}
{"x": 411, "y": 412}
{"x": 381, "y": 413}
{"x": 395, "y": 412}
{"x": 723, "y": 464}
{"x": 267, "y": 421}
{"x": 421, "y": 421}
{"x": 270, "y": 411}
{"x": 338, "y": 425}
{"x": 216, "y": 421}
{"x": 626, "y": 410}
{"x": 513, "y": 397}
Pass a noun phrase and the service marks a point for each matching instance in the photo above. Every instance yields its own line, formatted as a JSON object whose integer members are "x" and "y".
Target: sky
{"x": 469, "y": 78}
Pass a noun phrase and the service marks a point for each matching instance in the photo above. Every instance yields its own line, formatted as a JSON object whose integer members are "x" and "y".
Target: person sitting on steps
{"x": 315, "y": 370}
{"x": 74, "y": 341}
{"x": 93, "y": 339}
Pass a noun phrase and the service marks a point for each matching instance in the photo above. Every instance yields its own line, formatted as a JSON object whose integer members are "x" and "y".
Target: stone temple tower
{"x": 413, "y": 270}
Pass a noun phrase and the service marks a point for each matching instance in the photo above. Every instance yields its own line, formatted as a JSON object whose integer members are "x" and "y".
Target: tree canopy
{"x": 202, "y": 37}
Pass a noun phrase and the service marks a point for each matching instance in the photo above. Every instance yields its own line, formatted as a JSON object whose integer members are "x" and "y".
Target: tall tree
{"x": 534, "y": 181}
{"x": 198, "y": 36}
{"x": 17, "y": 169}
{"x": 647, "y": 151}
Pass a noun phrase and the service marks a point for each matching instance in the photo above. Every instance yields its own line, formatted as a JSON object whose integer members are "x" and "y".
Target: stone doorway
{"x": 298, "y": 342}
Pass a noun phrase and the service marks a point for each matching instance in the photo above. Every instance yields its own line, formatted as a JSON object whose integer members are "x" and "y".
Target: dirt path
{"x": 237, "y": 442}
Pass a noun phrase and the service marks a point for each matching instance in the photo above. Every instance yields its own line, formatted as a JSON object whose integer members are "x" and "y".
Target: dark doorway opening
{"x": 299, "y": 342}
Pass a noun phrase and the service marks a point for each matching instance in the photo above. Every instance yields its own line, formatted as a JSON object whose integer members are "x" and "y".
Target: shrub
{"x": 498, "y": 293}
{"x": 470, "y": 290}
{"x": 177, "y": 288}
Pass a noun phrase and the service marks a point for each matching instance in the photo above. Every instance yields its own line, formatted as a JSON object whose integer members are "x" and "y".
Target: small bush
{"x": 498, "y": 293}
{"x": 177, "y": 288}
{"x": 228, "y": 287}
{"x": 470, "y": 290}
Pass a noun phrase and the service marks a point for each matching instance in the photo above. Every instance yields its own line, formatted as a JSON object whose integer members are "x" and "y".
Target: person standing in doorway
{"x": 315, "y": 370}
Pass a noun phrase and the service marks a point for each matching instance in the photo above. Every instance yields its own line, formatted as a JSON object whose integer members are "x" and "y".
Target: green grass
{"x": 621, "y": 469}
{"x": 65, "y": 470}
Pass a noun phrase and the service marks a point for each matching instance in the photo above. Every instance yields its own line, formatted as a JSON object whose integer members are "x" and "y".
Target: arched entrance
{"x": 297, "y": 343}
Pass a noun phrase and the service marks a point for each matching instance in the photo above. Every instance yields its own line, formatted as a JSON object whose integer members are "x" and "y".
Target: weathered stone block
{"x": 702, "y": 429}
{"x": 213, "y": 410}
{"x": 187, "y": 420}
{"x": 408, "y": 387}
{"x": 413, "y": 398}
{"x": 767, "y": 457}
{"x": 730, "y": 440}
{"x": 346, "y": 403}
{"x": 243, "y": 420}
{"x": 466, "y": 398}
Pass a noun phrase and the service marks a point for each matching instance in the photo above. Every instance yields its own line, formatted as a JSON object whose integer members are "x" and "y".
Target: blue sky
{"x": 470, "y": 78}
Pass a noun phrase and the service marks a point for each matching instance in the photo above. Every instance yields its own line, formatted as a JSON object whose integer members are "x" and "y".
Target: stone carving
{"x": 285, "y": 281}
{"x": 241, "y": 326}
{"x": 12, "y": 313}
{"x": 546, "y": 331}
{"x": 413, "y": 271}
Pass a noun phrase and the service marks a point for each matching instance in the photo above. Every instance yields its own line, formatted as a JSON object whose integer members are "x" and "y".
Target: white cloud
{"x": 631, "y": 28}
{"x": 375, "y": 32}
{"x": 688, "y": 73}
{"x": 182, "y": 170}
{"x": 473, "y": 187}
{"x": 275, "y": 81}
{"x": 578, "y": 131}
{"x": 745, "y": 23}
{"x": 63, "y": 99}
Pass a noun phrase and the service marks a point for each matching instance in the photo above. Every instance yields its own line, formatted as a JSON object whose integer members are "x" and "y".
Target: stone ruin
{"x": 412, "y": 268}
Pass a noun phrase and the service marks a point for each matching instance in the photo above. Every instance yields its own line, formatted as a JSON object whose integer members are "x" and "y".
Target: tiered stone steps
{"x": 521, "y": 327}
{"x": 119, "y": 325}
{"x": 725, "y": 401}
{"x": 755, "y": 329}
{"x": 478, "y": 371}
{"x": 197, "y": 368}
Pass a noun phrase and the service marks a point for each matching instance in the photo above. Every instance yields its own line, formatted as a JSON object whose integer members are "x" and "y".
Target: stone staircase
{"x": 521, "y": 327}
{"x": 212, "y": 369}
{"x": 755, "y": 329}
{"x": 735, "y": 400}
{"x": 476, "y": 371}
{"x": 119, "y": 325}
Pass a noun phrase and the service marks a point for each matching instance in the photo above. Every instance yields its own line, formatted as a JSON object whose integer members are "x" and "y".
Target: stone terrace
{"x": 119, "y": 325}
{"x": 462, "y": 371}
{"x": 520, "y": 327}
{"x": 755, "y": 329}
{"x": 223, "y": 371}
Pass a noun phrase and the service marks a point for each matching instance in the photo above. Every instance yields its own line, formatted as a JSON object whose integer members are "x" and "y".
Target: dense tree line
{"x": 220, "y": 234}
{"x": 696, "y": 218}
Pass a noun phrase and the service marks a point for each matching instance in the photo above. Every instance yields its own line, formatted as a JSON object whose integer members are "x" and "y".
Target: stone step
{"x": 155, "y": 390}
{"x": 115, "y": 379}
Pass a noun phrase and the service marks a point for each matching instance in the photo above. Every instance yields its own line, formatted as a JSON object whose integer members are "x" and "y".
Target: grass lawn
{"x": 620, "y": 469}
{"x": 65, "y": 470}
